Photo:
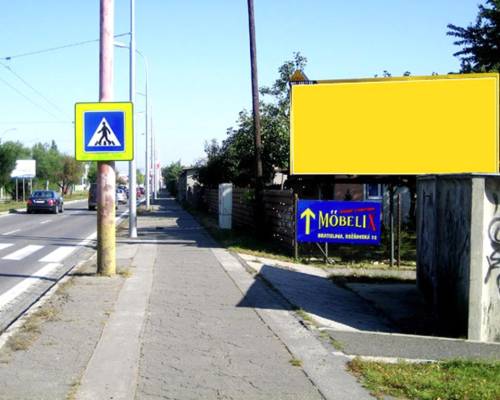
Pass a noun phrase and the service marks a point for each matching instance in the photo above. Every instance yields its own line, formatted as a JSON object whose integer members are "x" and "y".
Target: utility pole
{"x": 106, "y": 233}
{"x": 259, "y": 185}
{"x": 132, "y": 184}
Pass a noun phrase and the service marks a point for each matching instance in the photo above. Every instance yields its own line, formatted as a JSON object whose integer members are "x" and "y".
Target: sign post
{"x": 104, "y": 133}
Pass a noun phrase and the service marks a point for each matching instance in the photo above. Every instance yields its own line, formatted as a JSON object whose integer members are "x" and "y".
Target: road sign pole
{"x": 132, "y": 184}
{"x": 106, "y": 231}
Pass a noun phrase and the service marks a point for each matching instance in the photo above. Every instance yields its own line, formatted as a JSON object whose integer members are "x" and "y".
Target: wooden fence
{"x": 278, "y": 212}
{"x": 211, "y": 200}
{"x": 279, "y": 216}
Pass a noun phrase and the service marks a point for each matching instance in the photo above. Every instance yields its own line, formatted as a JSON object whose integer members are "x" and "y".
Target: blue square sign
{"x": 104, "y": 131}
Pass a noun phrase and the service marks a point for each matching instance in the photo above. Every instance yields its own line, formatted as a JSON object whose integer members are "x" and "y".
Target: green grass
{"x": 345, "y": 256}
{"x": 458, "y": 379}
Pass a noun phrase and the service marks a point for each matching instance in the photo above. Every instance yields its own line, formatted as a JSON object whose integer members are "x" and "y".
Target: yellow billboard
{"x": 409, "y": 125}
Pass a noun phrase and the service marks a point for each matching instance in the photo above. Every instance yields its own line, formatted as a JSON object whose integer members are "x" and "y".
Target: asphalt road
{"x": 38, "y": 249}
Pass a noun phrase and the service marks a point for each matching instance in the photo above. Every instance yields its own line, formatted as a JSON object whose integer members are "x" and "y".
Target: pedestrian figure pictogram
{"x": 105, "y": 132}
{"x": 104, "y": 136}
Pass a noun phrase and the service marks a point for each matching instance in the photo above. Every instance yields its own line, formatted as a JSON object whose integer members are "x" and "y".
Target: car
{"x": 45, "y": 200}
{"x": 92, "y": 199}
{"x": 121, "y": 196}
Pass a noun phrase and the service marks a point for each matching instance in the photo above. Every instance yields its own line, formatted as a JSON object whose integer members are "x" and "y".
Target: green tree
{"x": 139, "y": 177}
{"x": 92, "y": 172}
{"x": 170, "y": 175}
{"x": 10, "y": 152}
{"x": 480, "y": 42}
{"x": 70, "y": 174}
{"x": 48, "y": 161}
{"x": 233, "y": 160}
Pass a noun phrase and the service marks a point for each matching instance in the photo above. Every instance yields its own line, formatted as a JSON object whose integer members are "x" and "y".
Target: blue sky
{"x": 199, "y": 58}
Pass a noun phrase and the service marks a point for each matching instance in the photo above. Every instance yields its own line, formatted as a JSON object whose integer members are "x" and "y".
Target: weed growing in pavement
{"x": 304, "y": 316}
{"x": 455, "y": 379}
{"x": 30, "y": 330}
{"x": 296, "y": 362}
{"x": 126, "y": 272}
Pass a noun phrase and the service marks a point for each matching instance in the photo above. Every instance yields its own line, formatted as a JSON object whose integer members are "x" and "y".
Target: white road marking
{"x": 45, "y": 221}
{"x": 58, "y": 254}
{"x": 11, "y": 232}
{"x": 5, "y": 245}
{"x": 21, "y": 287}
{"x": 22, "y": 253}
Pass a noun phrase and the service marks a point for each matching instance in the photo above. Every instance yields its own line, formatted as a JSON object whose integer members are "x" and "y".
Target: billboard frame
{"x": 470, "y": 76}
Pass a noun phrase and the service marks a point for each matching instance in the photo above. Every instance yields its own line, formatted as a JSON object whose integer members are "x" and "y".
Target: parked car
{"x": 121, "y": 196}
{"x": 45, "y": 200}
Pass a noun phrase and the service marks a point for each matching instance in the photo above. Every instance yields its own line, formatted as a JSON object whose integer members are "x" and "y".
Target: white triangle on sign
{"x": 103, "y": 136}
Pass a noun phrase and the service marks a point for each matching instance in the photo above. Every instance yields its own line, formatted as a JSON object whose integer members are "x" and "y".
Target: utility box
{"x": 458, "y": 252}
{"x": 225, "y": 205}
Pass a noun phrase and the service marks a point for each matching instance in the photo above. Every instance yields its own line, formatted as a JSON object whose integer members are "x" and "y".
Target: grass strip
{"x": 245, "y": 242}
{"x": 455, "y": 379}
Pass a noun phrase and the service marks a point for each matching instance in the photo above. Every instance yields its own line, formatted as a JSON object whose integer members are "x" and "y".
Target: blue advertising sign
{"x": 352, "y": 222}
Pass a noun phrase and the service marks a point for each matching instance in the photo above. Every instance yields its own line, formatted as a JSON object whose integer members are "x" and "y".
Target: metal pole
{"x": 153, "y": 157}
{"x": 256, "y": 121}
{"x": 24, "y": 197}
{"x": 391, "y": 222}
{"x": 146, "y": 180}
{"x": 295, "y": 242}
{"x": 106, "y": 231}
{"x": 399, "y": 232}
{"x": 132, "y": 184}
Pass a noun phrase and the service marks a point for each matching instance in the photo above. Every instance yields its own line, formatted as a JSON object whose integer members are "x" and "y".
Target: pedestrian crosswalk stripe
{"x": 5, "y": 245}
{"x": 58, "y": 255}
{"x": 11, "y": 294}
{"x": 22, "y": 253}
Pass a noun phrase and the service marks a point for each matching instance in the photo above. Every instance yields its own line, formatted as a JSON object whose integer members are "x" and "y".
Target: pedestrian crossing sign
{"x": 104, "y": 131}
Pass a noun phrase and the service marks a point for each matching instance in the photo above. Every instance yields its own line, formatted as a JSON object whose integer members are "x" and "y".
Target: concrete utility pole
{"x": 259, "y": 184}
{"x": 106, "y": 233}
{"x": 132, "y": 184}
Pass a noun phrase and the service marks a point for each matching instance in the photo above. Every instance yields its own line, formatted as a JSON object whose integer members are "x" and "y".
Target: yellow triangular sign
{"x": 298, "y": 76}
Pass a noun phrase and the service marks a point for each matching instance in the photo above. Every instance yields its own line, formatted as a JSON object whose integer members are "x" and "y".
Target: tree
{"x": 170, "y": 175}
{"x": 233, "y": 160}
{"x": 92, "y": 172}
{"x": 70, "y": 173}
{"x": 480, "y": 41}
{"x": 10, "y": 152}
{"x": 139, "y": 177}
{"x": 48, "y": 161}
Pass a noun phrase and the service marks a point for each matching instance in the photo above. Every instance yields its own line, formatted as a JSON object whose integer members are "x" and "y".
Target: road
{"x": 36, "y": 250}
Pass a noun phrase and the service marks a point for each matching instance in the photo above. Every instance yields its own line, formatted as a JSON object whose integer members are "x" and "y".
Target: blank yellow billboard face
{"x": 428, "y": 125}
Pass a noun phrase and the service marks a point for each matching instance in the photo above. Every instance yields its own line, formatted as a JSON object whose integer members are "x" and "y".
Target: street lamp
{"x": 132, "y": 183}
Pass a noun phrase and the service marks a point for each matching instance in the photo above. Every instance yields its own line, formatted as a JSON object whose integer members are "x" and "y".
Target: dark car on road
{"x": 45, "y": 200}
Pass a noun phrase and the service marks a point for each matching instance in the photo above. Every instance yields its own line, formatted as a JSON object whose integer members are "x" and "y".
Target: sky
{"x": 198, "y": 58}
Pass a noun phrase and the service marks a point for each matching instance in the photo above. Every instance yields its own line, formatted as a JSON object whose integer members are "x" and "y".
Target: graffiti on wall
{"x": 494, "y": 257}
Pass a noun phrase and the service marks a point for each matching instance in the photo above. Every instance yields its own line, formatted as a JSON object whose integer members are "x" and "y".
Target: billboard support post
{"x": 295, "y": 241}
{"x": 391, "y": 222}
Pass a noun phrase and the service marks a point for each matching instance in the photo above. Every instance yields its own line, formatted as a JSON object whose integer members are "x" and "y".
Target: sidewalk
{"x": 185, "y": 319}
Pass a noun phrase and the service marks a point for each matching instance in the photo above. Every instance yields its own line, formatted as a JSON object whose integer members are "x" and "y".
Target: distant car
{"x": 45, "y": 200}
{"x": 121, "y": 196}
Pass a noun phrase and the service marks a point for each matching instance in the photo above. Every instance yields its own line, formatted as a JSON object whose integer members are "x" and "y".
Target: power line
{"x": 27, "y": 98}
{"x": 35, "y": 52}
{"x": 32, "y": 88}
